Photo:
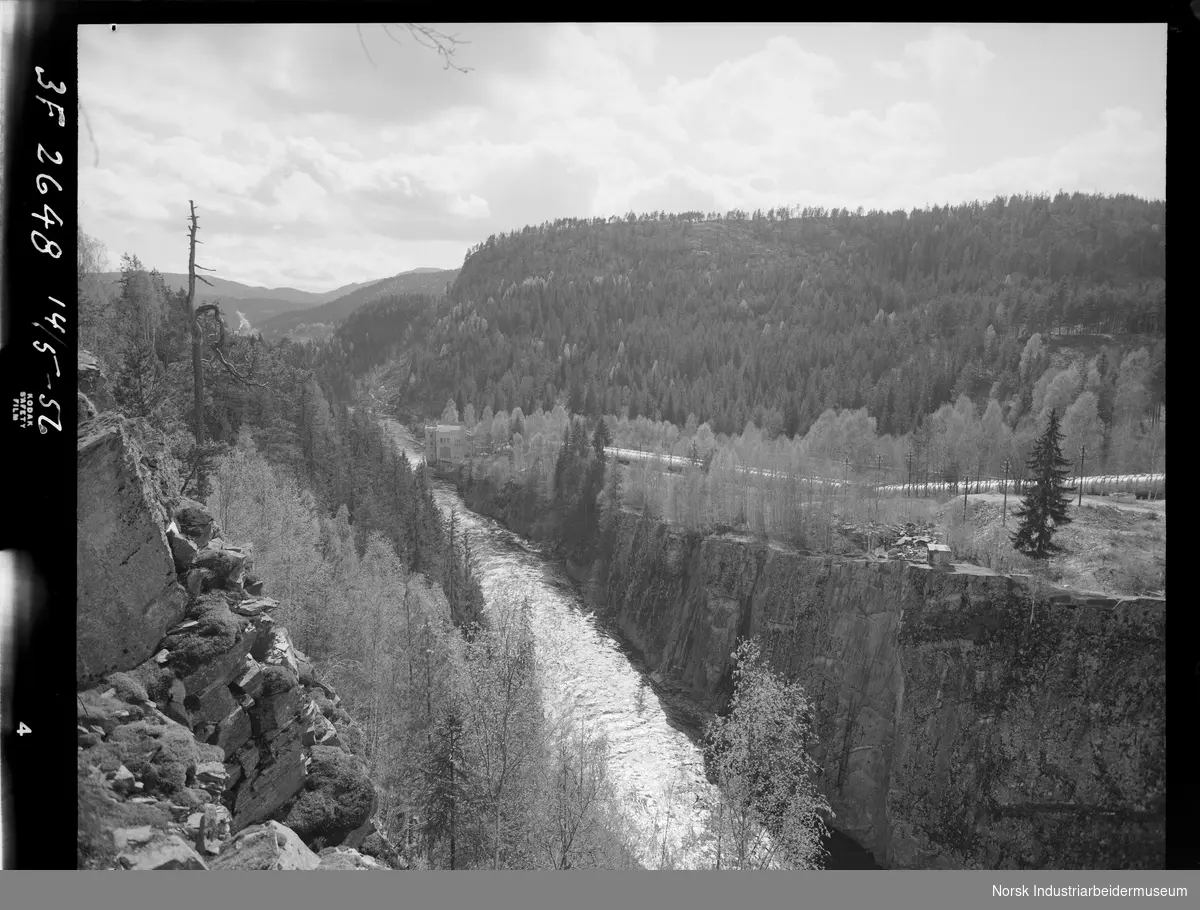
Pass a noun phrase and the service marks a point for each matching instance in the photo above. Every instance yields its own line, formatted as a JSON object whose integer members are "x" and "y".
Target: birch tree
{"x": 770, "y": 814}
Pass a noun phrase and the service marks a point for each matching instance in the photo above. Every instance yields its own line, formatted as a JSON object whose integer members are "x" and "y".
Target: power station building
{"x": 446, "y": 444}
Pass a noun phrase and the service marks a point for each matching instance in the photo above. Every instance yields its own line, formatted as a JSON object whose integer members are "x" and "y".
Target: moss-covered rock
{"x": 277, "y": 680}
{"x": 217, "y": 632}
{"x": 129, "y": 688}
{"x": 338, "y": 798}
{"x": 155, "y": 679}
{"x": 170, "y": 748}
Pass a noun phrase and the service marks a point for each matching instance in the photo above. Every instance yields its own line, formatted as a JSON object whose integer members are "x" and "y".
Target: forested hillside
{"x": 319, "y": 322}
{"x": 779, "y": 317}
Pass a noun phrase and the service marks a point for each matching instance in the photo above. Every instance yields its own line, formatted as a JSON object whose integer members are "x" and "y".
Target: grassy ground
{"x": 1110, "y": 547}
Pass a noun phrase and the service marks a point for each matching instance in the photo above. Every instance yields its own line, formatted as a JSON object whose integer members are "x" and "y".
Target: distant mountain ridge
{"x": 261, "y": 305}
{"x": 226, "y": 289}
{"x": 320, "y": 320}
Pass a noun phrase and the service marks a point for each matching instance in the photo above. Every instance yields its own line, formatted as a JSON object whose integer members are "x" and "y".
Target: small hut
{"x": 939, "y": 554}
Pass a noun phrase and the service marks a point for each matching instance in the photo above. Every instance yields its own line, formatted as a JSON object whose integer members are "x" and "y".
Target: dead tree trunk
{"x": 198, "y": 468}
{"x": 197, "y": 337}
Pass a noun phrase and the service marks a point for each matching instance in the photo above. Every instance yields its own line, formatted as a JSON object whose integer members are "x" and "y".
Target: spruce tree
{"x": 445, "y": 785}
{"x": 1044, "y": 507}
{"x": 601, "y": 438}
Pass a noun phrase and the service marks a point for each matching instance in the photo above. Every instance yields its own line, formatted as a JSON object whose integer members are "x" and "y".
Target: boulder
{"x": 320, "y": 732}
{"x": 270, "y": 846}
{"x": 324, "y": 705}
{"x": 250, "y": 680}
{"x": 211, "y": 652}
{"x": 210, "y": 776}
{"x": 147, "y": 848}
{"x": 338, "y": 797}
{"x": 183, "y": 549}
{"x": 228, "y": 566}
{"x": 273, "y": 775}
{"x": 254, "y": 606}
{"x": 126, "y": 592}
{"x": 194, "y": 522}
{"x": 348, "y": 859}
{"x": 214, "y": 830}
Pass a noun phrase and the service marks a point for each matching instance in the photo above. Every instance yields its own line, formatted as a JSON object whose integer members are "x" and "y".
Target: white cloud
{"x": 950, "y": 56}
{"x": 560, "y": 120}
{"x": 1096, "y": 160}
{"x": 638, "y": 42}
{"x": 471, "y": 207}
{"x": 893, "y": 69}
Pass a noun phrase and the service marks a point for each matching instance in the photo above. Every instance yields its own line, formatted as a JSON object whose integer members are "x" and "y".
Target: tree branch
{"x": 426, "y": 36}
{"x": 239, "y": 377}
{"x": 358, "y": 28}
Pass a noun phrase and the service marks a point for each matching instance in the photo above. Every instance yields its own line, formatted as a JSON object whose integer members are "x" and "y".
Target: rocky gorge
{"x": 206, "y": 739}
{"x": 967, "y": 719}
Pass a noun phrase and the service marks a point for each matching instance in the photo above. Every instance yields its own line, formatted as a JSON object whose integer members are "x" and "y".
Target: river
{"x": 654, "y": 758}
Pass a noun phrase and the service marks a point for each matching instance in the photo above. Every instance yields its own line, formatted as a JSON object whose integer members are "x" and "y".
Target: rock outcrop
{"x": 126, "y": 575}
{"x": 967, "y": 719}
{"x": 270, "y": 846}
{"x": 206, "y": 738}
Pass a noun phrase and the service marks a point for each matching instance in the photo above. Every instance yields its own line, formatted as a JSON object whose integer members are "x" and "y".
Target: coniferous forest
{"x": 775, "y": 317}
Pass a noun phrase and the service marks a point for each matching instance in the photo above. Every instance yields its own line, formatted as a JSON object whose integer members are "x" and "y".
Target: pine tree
{"x": 1044, "y": 507}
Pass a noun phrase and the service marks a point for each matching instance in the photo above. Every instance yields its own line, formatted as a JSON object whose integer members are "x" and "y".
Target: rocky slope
{"x": 967, "y": 719}
{"x": 206, "y": 739}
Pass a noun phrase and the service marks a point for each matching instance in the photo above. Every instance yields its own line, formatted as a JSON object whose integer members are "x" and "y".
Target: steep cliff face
{"x": 967, "y": 719}
{"x": 203, "y": 732}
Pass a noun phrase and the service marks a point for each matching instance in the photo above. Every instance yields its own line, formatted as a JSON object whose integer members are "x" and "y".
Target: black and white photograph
{"x": 648, "y": 446}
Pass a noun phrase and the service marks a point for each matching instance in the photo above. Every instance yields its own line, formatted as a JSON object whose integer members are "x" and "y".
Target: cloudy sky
{"x": 315, "y": 162}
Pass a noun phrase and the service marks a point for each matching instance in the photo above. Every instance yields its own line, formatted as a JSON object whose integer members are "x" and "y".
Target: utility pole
{"x": 909, "y": 459}
{"x": 845, "y": 473}
{"x": 1082, "y": 453}
{"x": 1004, "y": 508}
{"x": 878, "y": 482}
{"x": 966, "y": 489}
